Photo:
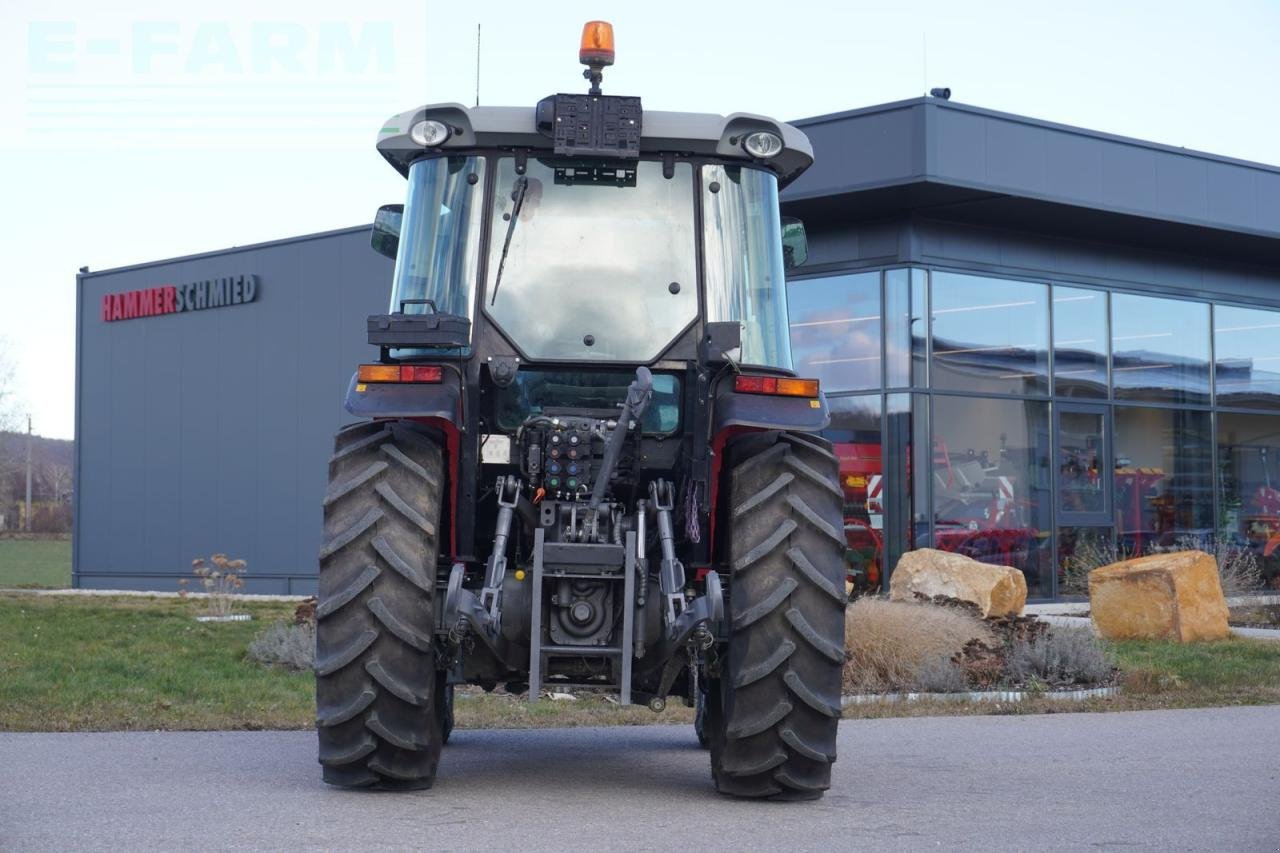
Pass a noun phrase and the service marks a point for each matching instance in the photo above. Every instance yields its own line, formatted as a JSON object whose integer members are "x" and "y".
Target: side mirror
{"x": 385, "y": 238}
{"x": 795, "y": 245}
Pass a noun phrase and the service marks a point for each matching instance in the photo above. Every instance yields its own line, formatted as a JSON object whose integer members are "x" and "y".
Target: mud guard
{"x": 765, "y": 411}
{"x": 395, "y": 400}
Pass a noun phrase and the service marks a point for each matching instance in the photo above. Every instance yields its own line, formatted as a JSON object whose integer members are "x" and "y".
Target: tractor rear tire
{"x": 379, "y": 712}
{"x": 772, "y": 721}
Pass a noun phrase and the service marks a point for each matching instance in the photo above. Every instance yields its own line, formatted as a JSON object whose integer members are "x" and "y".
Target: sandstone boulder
{"x": 996, "y": 590}
{"x": 1174, "y": 596}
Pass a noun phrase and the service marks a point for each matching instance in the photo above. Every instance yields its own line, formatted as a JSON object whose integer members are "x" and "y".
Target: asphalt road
{"x": 1167, "y": 780}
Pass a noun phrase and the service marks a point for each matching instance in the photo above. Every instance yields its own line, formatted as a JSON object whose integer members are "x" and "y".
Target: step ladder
{"x": 556, "y": 561}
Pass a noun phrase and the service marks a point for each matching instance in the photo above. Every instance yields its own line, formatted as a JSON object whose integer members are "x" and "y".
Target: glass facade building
{"x": 1013, "y": 419}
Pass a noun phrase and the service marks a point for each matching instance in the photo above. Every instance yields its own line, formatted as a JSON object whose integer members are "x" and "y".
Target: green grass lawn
{"x": 1236, "y": 671}
{"x": 75, "y": 664}
{"x": 145, "y": 663}
{"x": 35, "y": 563}
{"x": 140, "y": 663}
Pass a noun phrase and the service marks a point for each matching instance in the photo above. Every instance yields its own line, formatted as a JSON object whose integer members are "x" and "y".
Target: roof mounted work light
{"x": 762, "y": 144}
{"x": 429, "y": 133}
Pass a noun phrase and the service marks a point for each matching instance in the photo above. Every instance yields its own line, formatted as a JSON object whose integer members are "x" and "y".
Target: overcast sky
{"x": 179, "y": 128}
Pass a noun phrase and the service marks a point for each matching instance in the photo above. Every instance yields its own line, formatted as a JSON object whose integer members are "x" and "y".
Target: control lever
{"x": 638, "y": 395}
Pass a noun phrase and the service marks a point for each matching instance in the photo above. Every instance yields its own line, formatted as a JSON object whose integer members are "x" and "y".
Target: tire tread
{"x": 377, "y": 718}
{"x": 774, "y": 716}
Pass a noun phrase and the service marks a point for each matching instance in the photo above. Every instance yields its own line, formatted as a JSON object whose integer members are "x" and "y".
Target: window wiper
{"x": 517, "y": 196}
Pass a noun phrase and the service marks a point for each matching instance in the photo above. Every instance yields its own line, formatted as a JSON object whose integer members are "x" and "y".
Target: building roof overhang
{"x": 951, "y": 161}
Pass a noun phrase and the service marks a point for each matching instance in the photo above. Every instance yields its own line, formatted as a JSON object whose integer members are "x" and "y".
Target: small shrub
{"x": 220, "y": 579}
{"x": 282, "y": 644}
{"x": 305, "y": 613}
{"x": 940, "y": 676}
{"x": 1061, "y": 656}
{"x": 899, "y": 646}
{"x": 1088, "y": 554}
{"x": 983, "y": 665}
{"x": 1238, "y": 568}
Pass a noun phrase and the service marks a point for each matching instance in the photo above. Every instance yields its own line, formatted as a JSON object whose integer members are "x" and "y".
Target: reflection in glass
{"x": 989, "y": 334}
{"x": 743, "y": 267}
{"x": 589, "y": 267}
{"x": 440, "y": 236}
{"x": 918, "y": 328}
{"x": 905, "y": 326}
{"x": 1079, "y": 342}
{"x": 921, "y": 471}
{"x": 1163, "y": 477}
{"x": 855, "y": 434}
{"x": 1081, "y": 550}
{"x": 1159, "y": 349}
{"x": 1249, "y": 486}
{"x": 1246, "y": 357}
{"x": 835, "y": 330}
{"x": 900, "y": 493}
{"x": 1081, "y": 478}
{"x": 991, "y": 498}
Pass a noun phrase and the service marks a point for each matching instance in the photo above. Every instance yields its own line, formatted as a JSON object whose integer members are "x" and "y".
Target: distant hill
{"x": 59, "y": 450}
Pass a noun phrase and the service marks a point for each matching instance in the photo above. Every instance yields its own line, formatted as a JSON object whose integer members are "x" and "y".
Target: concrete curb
{"x": 1262, "y": 598}
{"x": 134, "y": 593}
{"x": 1258, "y": 633}
{"x": 979, "y": 696}
{"x": 1272, "y": 634}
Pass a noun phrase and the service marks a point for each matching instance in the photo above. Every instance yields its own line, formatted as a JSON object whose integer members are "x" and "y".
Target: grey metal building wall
{"x": 208, "y": 431}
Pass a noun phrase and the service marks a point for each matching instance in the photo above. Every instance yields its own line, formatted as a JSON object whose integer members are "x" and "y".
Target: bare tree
{"x": 9, "y": 457}
{"x": 55, "y": 481}
{"x": 8, "y": 388}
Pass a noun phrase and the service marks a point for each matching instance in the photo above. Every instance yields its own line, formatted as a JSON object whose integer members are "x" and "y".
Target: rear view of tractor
{"x": 585, "y": 462}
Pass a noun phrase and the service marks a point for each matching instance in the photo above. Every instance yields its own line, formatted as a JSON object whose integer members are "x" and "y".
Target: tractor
{"x": 582, "y": 460}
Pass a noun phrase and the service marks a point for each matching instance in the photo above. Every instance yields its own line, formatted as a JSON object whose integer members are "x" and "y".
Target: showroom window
{"x": 1079, "y": 342}
{"x": 1163, "y": 477}
{"x": 1249, "y": 485}
{"x": 1246, "y": 357}
{"x": 990, "y": 335}
{"x": 991, "y": 493}
{"x": 835, "y": 330}
{"x": 1159, "y": 350}
{"x": 1125, "y": 456}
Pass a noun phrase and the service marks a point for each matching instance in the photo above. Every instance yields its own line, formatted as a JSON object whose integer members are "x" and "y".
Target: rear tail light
{"x": 781, "y": 386}
{"x": 399, "y": 373}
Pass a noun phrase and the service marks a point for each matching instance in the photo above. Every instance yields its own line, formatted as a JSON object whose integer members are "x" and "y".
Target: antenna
{"x": 477, "y": 64}
{"x": 924, "y": 53}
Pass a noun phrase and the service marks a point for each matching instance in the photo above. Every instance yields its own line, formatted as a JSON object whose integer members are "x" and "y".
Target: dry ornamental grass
{"x": 897, "y": 646}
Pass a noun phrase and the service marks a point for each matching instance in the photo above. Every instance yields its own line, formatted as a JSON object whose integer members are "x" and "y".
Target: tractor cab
{"x": 588, "y": 229}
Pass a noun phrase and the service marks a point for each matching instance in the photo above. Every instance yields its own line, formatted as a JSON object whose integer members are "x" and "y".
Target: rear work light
{"x": 776, "y": 385}
{"x": 399, "y": 373}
